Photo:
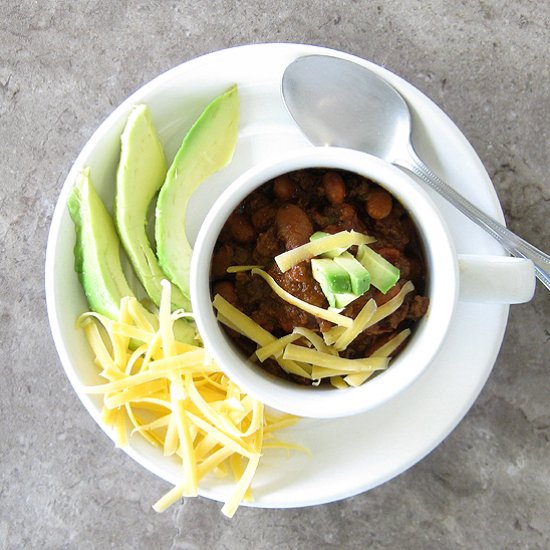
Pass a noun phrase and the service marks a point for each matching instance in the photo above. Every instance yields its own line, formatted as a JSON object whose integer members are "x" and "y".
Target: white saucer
{"x": 347, "y": 456}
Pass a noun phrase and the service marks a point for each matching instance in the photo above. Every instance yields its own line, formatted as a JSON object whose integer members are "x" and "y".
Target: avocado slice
{"x": 141, "y": 172}
{"x": 97, "y": 249}
{"x": 383, "y": 274}
{"x": 207, "y": 147}
{"x": 97, "y": 255}
{"x": 359, "y": 276}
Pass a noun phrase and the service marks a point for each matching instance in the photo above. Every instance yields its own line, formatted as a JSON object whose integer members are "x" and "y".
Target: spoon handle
{"x": 511, "y": 242}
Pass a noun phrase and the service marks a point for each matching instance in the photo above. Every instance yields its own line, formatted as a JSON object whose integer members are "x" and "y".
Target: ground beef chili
{"x": 282, "y": 214}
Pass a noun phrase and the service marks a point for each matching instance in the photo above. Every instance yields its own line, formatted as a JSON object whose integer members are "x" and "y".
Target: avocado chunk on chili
{"x": 383, "y": 274}
{"x": 328, "y": 273}
{"x": 359, "y": 276}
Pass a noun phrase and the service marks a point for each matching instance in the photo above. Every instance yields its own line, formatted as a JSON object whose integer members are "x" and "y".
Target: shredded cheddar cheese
{"x": 306, "y": 353}
{"x": 341, "y": 337}
{"x": 249, "y": 328}
{"x": 315, "y": 340}
{"x": 331, "y": 362}
{"x": 343, "y": 239}
{"x": 175, "y": 396}
{"x": 241, "y": 268}
{"x": 359, "y": 325}
{"x": 392, "y": 305}
{"x": 275, "y": 349}
{"x": 358, "y": 378}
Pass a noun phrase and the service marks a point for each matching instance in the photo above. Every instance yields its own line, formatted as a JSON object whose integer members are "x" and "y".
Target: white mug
{"x": 450, "y": 277}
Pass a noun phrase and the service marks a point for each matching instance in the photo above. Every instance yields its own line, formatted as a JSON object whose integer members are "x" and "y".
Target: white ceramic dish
{"x": 494, "y": 279}
{"x": 349, "y": 455}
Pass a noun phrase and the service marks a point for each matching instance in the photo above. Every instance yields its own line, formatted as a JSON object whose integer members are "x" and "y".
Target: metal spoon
{"x": 341, "y": 103}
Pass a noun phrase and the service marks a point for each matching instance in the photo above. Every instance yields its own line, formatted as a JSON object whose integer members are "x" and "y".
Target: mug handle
{"x": 496, "y": 279}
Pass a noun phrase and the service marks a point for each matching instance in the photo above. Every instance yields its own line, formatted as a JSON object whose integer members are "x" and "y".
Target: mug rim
{"x": 442, "y": 287}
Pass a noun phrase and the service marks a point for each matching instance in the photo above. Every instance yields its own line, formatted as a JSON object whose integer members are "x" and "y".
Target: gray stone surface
{"x": 63, "y": 67}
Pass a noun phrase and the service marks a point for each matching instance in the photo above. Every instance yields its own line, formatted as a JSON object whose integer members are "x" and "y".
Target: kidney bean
{"x": 241, "y": 228}
{"x": 284, "y": 188}
{"x": 293, "y": 225}
{"x": 335, "y": 188}
{"x": 379, "y": 204}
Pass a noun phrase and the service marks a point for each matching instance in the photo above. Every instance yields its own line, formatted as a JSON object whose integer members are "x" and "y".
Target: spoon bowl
{"x": 343, "y": 104}
{"x": 320, "y": 94}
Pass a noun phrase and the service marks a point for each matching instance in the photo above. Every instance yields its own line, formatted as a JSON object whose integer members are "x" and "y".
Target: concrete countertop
{"x": 63, "y": 67}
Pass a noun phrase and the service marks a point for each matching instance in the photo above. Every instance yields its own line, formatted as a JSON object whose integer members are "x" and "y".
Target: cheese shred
{"x": 343, "y": 239}
{"x": 175, "y": 396}
{"x": 320, "y": 312}
{"x": 304, "y": 352}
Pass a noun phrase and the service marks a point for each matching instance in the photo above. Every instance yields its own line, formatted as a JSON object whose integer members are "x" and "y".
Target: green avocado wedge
{"x": 97, "y": 249}
{"x": 384, "y": 275}
{"x": 97, "y": 256}
{"x": 207, "y": 148}
{"x": 141, "y": 173}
